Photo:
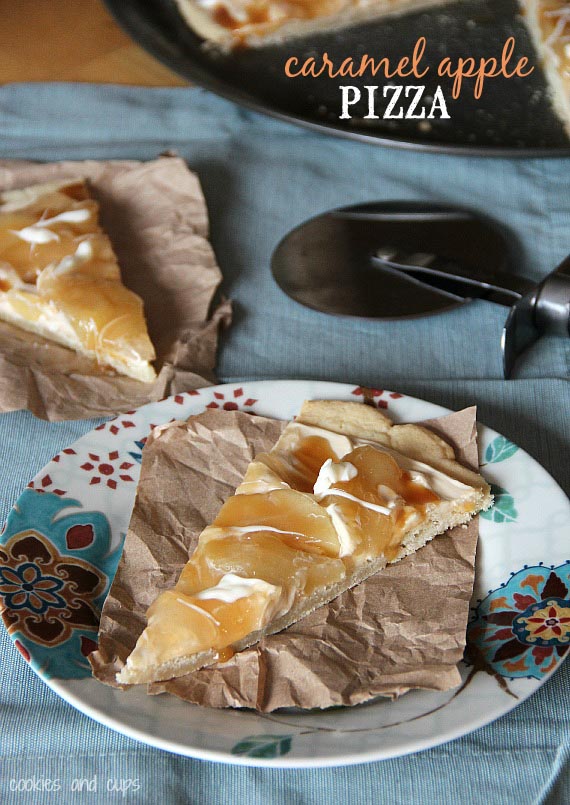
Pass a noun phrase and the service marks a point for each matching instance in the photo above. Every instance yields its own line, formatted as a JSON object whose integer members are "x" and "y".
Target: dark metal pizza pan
{"x": 514, "y": 117}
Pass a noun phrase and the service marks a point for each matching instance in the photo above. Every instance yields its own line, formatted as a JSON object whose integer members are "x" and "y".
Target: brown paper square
{"x": 403, "y": 628}
{"x": 156, "y": 217}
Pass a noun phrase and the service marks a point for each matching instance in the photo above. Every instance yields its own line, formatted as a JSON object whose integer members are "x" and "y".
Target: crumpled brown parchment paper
{"x": 156, "y": 216}
{"x": 402, "y": 628}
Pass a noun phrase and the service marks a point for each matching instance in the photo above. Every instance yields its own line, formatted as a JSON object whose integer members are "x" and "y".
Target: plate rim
{"x": 219, "y": 756}
{"x": 131, "y": 24}
{"x": 59, "y": 686}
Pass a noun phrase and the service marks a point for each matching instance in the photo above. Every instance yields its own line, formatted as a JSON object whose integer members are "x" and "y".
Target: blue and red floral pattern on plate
{"x": 522, "y": 629}
{"x": 55, "y": 570}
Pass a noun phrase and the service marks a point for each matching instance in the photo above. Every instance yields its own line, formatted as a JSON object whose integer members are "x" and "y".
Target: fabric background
{"x": 260, "y": 179}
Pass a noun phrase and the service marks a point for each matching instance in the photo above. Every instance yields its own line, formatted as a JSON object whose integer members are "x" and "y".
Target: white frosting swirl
{"x": 40, "y": 232}
{"x": 230, "y": 588}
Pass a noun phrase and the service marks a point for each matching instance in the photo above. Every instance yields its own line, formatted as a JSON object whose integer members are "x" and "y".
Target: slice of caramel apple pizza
{"x": 343, "y": 493}
{"x": 59, "y": 278}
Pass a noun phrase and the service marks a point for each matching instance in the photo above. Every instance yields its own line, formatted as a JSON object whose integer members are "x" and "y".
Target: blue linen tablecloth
{"x": 261, "y": 178}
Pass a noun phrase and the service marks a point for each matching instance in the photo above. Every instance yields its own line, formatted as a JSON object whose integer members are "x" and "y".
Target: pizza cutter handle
{"x": 552, "y": 309}
{"x": 545, "y": 310}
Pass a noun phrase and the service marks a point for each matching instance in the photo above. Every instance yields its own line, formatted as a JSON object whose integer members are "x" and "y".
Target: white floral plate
{"x": 61, "y": 544}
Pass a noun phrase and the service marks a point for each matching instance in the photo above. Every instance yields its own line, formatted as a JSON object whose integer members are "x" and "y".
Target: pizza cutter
{"x": 393, "y": 260}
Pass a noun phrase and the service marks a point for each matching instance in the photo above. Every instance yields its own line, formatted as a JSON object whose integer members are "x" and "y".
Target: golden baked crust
{"x": 366, "y": 422}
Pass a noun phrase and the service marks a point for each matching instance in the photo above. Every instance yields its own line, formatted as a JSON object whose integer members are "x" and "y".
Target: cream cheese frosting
{"x": 40, "y": 232}
{"x": 347, "y": 541}
{"x": 296, "y": 432}
{"x": 333, "y": 473}
{"x": 232, "y": 587}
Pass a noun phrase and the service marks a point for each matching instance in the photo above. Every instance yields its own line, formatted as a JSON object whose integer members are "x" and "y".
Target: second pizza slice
{"x": 60, "y": 279}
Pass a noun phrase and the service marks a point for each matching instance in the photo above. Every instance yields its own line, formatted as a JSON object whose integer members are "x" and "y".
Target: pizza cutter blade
{"x": 326, "y": 262}
{"x": 391, "y": 260}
